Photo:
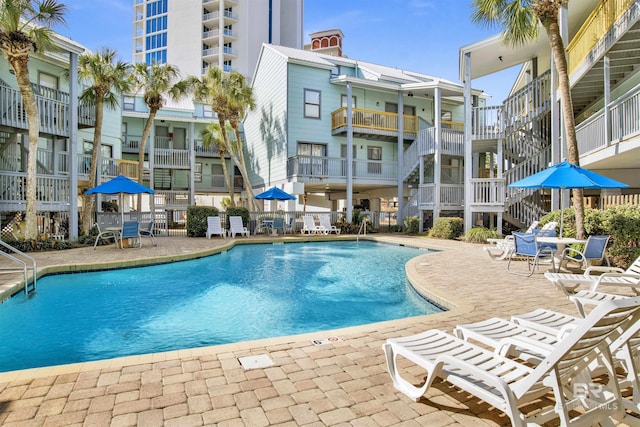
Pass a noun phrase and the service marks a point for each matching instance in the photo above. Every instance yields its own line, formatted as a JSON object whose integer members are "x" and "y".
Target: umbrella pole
{"x": 561, "y": 212}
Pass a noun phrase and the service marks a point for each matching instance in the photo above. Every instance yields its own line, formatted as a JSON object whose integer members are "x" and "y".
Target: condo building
{"x": 197, "y": 34}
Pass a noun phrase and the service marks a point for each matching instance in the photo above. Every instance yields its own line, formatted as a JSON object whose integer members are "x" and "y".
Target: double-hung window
{"x": 312, "y": 103}
{"x": 374, "y": 154}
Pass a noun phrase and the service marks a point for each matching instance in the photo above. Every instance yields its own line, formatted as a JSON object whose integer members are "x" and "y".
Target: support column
{"x": 437, "y": 155}
{"x": 607, "y": 100}
{"x": 400, "y": 214}
{"x": 468, "y": 105}
{"x": 501, "y": 176}
{"x": 349, "y": 153}
{"x": 192, "y": 164}
{"x": 73, "y": 146}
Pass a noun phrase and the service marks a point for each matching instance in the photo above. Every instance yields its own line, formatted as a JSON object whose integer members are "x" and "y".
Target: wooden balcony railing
{"x": 374, "y": 120}
{"x": 594, "y": 28}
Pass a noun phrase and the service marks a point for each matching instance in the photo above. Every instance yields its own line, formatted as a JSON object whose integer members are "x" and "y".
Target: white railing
{"x": 624, "y": 123}
{"x": 165, "y": 198}
{"x": 50, "y": 190}
{"x": 488, "y": 122}
{"x": 487, "y": 191}
{"x": 171, "y": 158}
{"x": 451, "y": 143}
{"x": 330, "y": 167}
{"x": 210, "y": 33}
{"x": 451, "y": 195}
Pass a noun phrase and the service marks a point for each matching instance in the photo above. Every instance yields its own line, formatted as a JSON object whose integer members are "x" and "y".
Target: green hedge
{"x": 447, "y": 228}
{"x": 480, "y": 235}
{"x": 240, "y": 211}
{"x": 412, "y": 225}
{"x": 197, "y": 219}
{"x": 622, "y": 223}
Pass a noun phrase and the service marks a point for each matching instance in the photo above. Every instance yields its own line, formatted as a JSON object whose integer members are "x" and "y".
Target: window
{"x": 312, "y": 104}
{"x": 226, "y": 66}
{"x": 374, "y": 154}
{"x": 312, "y": 159}
{"x": 207, "y": 111}
{"x": 343, "y": 154}
{"x": 197, "y": 172}
{"x": 48, "y": 80}
{"x": 343, "y": 101}
{"x": 445, "y": 118}
{"x": 129, "y": 103}
{"x": 392, "y": 107}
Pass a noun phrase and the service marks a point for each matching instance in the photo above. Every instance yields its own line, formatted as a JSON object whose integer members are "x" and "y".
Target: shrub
{"x": 40, "y": 245}
{"x": 412, "y": 224}
{"x": 447, "y": 228}
{"x": 240, "y": 211}
{"x": 396, "y": 228}
{"x": 622, "y": 223}
{"x": 480, "y": 235}
{"x": 197, "y": 220}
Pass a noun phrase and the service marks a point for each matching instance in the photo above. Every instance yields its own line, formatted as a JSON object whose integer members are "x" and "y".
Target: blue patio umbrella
{"x": 565, "y": 176}
{"x": 120, "y": 185}
{"x": 274, "y": 193}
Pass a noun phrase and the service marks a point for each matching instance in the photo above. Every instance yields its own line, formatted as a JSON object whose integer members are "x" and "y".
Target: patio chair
{"x": 236, "y": 226}
{"x": 310, "y": 227}
{"x": 131, "y": 231}
{"x": 500, "y": 248}
{"x": 147, "y": 231}
{"x": 214, "y": 227}
{"x": 532, "y": 336}
{"x": 507, "y": 384}
{"x": 105, "y": 235}
{"x": 325, "y": 221}
{"x": 569, "y": 282}
{"x": 289, "y": 226}
{"x": 526, "y": 245}
{"x": 594, "y": 253}
{"x": 278, "y": 224}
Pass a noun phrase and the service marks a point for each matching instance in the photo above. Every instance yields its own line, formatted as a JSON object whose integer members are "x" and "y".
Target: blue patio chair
{"x": 278, "y": 224}
{"x": 131, "y": 231}
{"x": 594, "y": 252}
{"x": 148, "y": 232}
{"x": 526, "y": 245}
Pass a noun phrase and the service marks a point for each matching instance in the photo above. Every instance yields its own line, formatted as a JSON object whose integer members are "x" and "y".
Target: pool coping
{"x": 447, "y": 300}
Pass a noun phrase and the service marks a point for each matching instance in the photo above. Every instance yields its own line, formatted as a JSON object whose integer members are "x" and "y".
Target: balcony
{"x": 53, "y": 107}
{"x": 373, "y": 124}
{"x": 451, "y": 197}
{"x": 599, "y": 22}
{"x": 330, "y": 169}
{"x": 52, "y": 192}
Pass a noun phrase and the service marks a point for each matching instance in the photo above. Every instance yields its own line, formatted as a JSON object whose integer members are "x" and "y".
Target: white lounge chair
{"x": 531, "y": 336}
{"x": 568, "y": 282}
{"x": 236, "y": 226}
{"x": 310, "y": 227}
{"x": 506, "y": 384}
{"x": 214, "y": 227}
{"x": 325, "y": 222}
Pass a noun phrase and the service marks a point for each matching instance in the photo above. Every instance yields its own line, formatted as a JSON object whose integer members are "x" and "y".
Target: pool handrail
{"x": 25, "y": 268}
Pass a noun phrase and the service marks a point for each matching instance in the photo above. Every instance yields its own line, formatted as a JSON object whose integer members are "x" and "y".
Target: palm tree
{"x": 109, "y": 78}
{"x": 519, "y": 21}
{"x": 240, "y": 100}
{"x": 154, "y": 82}
{"x": 25, "y": 27}
{"x": 222, "y": 92}
{"x": 211, "y": 136}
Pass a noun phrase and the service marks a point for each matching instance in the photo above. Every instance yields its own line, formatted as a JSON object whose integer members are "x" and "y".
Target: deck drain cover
{"x": 255, "y": 362}
{"x": 329, "y": 340}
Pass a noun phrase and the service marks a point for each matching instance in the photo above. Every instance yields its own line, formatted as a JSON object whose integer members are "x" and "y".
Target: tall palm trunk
{"x": 143, "y": 145}
{"x": 558, "y": 52}
{"x": 242, "y": 165}
{"x": 88, "y": 199}
{"x": 227, "y": 178}
{"x": 20, "y": 64}
{"x": 236, "y": 159}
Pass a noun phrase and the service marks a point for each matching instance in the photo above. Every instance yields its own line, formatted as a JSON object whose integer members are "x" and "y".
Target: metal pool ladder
{"x": 24, "y": 261}
{"x": 362, "y": 229}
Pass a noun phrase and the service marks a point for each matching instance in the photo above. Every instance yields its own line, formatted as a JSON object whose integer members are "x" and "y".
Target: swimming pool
{"x": 249, "y": 292}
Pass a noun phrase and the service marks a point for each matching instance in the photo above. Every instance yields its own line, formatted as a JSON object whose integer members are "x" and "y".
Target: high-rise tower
{"x": 197, "y": 34}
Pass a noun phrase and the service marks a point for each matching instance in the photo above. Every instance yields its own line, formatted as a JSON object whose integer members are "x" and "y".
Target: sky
{"x": 416, "y": 35}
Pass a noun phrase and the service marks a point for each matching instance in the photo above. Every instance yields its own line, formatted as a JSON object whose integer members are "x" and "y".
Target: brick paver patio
{"x": 343, "y": 383}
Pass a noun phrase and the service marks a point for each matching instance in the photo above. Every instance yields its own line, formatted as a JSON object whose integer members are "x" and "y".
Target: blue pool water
{"x": 248, "y": 292}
